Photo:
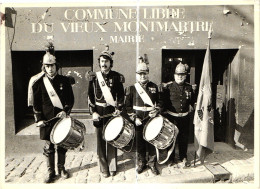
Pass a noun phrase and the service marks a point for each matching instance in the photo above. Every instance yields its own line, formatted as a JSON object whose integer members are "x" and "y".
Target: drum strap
{"x": 105, "y": 89}
{"x": 169, "y": 151}
{"x": 144, "y": 96}
{"x": 52, "y": 93}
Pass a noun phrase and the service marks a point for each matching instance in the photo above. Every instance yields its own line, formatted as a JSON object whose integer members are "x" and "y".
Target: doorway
{"x": 25, "y": 64}
{"x": 221, "y": 59}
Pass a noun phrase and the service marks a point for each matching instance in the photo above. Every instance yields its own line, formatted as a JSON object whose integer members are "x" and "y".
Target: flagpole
{"x": 202, "y": 156}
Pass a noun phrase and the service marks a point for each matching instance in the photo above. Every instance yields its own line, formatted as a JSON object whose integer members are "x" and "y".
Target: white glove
{"x": 153, "y": 113}
{"x": 138, "y": 122}
{"x": 116, "y": 112}
{"x": 40, "y": 123}
{"x": 95, "y": 116}
{"x": 62, "y": 114}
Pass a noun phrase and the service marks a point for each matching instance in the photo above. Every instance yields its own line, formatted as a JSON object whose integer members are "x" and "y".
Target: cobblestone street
{"x": 83, "y": 168}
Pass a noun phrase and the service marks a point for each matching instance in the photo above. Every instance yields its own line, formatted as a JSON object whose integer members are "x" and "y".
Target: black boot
{"x": 61, "y": 169}
{"x": 51, "y": 168}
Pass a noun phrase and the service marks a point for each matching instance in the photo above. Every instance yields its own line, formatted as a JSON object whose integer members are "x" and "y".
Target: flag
{"x": 204, "y": 113}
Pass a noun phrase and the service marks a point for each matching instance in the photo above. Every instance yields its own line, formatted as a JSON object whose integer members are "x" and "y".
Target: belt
{"x": 143, "y": 108}
{"x": 177, "y": 114}
{"x": 103, "y": 104}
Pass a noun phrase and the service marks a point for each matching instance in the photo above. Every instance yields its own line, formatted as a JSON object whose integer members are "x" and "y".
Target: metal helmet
{"x": 48, "y": 59}
{"x": 107, "y": 53}
{"x": 142, "y": 68}
{"x": 181, "y": 68}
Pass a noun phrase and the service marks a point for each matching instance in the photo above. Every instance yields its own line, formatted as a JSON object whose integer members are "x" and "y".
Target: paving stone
{"x": 10, "y": 172}
{"x": 8, "y": 161}
{"x": 84, "y": 168}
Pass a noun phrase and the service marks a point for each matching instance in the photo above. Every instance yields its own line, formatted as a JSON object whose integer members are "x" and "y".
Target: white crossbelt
{"x": 102, "y": 104}
{"x": 177, "y": 114}
{"x": 143, "y": 108}
{"x": 52, "y": 93}
{"x": 105, "y": 89}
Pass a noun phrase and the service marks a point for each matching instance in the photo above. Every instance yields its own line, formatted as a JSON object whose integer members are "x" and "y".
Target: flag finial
{"x": 210, "y": 31}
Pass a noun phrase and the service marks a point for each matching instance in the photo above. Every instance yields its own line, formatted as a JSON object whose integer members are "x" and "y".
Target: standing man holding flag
{"x": 106, "y": 98}
{"x": 203, "y": 117}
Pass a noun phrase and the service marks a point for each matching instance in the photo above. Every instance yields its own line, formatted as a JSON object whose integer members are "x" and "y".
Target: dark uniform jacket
{"x": 114, "y": 81}
{"x": 133, "y": 99}
{"x": 42, "y": 105}
{"x": 178, "y": 97}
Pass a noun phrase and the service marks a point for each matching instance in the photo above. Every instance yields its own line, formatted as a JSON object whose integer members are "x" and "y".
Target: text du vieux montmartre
{"x": 126, "y": 20}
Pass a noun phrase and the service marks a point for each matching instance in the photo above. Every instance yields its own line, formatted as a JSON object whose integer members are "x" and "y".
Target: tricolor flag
{"x": 204, "y": 113}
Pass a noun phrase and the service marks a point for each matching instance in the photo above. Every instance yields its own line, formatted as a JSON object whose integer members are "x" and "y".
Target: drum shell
{"x": 74, "y": 137}
{"x": 125, "y": 135}
{"x": 165, "y": 137}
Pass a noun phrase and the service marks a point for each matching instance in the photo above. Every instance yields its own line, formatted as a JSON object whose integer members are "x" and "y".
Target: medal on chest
{"x": 152, "y": 90}
{"x": 61, "y": 86}
{"x": 110, "y": 82}
{"x": 188, "y": 94}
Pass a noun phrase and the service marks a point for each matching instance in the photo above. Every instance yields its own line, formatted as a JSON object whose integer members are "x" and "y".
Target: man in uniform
{"x": 179, "y": 96}
{"x": 140, "y": 108}
{"x": 106, "y": 98}
{"x": 52, "y": 97}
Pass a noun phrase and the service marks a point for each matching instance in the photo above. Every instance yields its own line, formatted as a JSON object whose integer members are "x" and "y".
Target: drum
{"x": 68, "y": 133}
{"x": 160, "y": 132}
{"x": 118, "y": 132}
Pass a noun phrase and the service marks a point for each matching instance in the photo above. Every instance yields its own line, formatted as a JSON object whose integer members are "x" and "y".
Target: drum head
{"x": 153, "y": 128}
{"x": 113, "y": 128}
{"x": 61, "y": 130}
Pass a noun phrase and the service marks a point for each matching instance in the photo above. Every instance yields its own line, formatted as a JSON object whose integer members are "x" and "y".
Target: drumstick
{"x": 47, "y": 122}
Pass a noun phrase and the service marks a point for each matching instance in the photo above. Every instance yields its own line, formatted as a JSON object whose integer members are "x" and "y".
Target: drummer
{"x": 140, "y": 108}
{"x": 52, "y": 96}
{"x": 106, "y": 98}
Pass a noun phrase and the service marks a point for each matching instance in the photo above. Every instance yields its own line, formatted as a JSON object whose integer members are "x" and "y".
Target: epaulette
{"x": 121, "y": 78}
{"x": 160, "y": 87}
{"x": 127, "y": 91}
{"x": 90, "y": 75}
{"x": 187, "y": 83}
{"x": 164, "y": 85}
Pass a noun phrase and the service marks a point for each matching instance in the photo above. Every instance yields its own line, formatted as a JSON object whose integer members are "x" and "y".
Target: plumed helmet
{"x": 48, "y": 59}
{"x": 142, "y": 68}
{"x": 181, "y": 68}
{"x": 107, "y": 53}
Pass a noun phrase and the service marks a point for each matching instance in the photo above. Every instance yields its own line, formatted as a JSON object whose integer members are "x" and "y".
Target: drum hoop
{"x": 170, "y": 142}
{"x": 146, "y": 125}
{"x": 120, "y": 134}
{"x": 106, "y": 127}
{"x": 53, "y": 129}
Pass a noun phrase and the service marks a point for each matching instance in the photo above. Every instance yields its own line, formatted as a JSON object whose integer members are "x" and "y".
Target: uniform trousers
{"x": 107, "y": 154}
{"x": 142, "y": 146}
{"x": 49, "y": 150}
{"x": 182, "y": 124}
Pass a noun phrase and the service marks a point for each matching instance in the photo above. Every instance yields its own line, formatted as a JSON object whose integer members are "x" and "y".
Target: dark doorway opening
{"x": 25, "y": 64}
{"x": 221, "y": 59}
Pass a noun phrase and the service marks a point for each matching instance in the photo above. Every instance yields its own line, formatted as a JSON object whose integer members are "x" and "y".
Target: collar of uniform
{"x": 106, "y": 74}
{"x": 144, "y": 85}
{"x": 52, "y": 76}
{"x": 182, "y": 84}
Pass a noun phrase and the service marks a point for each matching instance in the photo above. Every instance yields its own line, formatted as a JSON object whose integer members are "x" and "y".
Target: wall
{"x": 165, "y": 27}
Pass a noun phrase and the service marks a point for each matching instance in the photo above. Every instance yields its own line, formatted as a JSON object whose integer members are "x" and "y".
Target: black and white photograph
{"x": 139, "y": 93}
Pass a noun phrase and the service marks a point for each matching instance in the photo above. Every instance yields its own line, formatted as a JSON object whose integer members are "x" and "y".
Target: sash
{"x": 52, "y": 93}
{"x": 105, "y": 89}
{"x": 144, "y": 96}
